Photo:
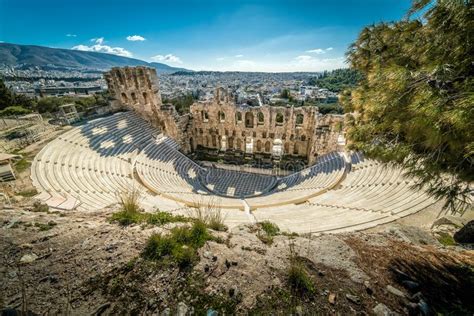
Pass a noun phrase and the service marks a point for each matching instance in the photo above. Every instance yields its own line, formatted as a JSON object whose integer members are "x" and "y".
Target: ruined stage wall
{"x": 222, "y": 125}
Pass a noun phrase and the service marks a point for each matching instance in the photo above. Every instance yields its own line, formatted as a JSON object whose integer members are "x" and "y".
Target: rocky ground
{"x": 79, "y": 263}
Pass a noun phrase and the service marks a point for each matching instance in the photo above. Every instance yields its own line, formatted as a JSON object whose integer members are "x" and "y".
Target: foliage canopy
{"x": 415, "y": 103}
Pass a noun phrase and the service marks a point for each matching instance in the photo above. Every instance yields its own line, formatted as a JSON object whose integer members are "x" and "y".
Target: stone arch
{"x": 221, "y": 116}
{"x": 124, "y": 98}
{"x": 260, "y": 118}
{"x": 279, "y": 118}
{"x": 299, "y": 119}
{"x": 230, "y": 142}
{"x": 249, "y": 119}
{"x": 267, "y": 146}
{"x": 259, "y": 145}
{"x": 134, "y": 97}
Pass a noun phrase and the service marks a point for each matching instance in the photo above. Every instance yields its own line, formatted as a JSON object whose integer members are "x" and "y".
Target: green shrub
{"x": 45, "y": 227}
{"x": 180, "y": 246}
{"x": 211, "y": 215}
{"x": 40, "y": 207}
{"x": 14, "y": 110}
{"x": 446, "y": 239}
{"x": 298, "y": 276}
{"x": 267, "y": 230}
{"x": 28, "y": 193}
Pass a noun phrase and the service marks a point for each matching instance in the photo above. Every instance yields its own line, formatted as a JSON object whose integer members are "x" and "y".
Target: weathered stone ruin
{"x": 222, "y": 126}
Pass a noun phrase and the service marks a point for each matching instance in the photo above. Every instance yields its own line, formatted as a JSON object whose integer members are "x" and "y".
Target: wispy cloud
{"x": 71, "y": 35}
{"x": 220, "y": 58}
{"x": 310, "y": 63}
{"x": 100, "y": 48}
{"x": 319, "y": 50}
{"x": 99, "y": 40}
{"x": 170, "y": 58}
{"x": 239, "y": 56}
{"x": 135, "y": 38}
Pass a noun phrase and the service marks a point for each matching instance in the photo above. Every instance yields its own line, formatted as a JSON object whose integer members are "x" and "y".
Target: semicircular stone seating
{"x": 89, "y": 165}
{"x": 237, "y": 184}
{"x": 371, "y": 194}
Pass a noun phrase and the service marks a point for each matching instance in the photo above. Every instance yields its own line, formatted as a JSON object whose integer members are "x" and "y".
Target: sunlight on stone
{"x": 107, "y": 144}
{"x": 99, "y": 130}
{"x": 192, "y": 174}
{"x": 306, "y": 172}
{"x": 122, "y": 124}
{"x": 127, "y": 139}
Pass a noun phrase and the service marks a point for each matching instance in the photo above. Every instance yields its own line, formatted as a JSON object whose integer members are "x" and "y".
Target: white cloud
{"x": 220, "y": 58}
{"x": 71, "y": 35}
{"x": 135, "y": 38}
{"x": 239, "y": 56}
{"x": 309, "y": 63}
{"x": 170, "y": 58}
{"x": 319, "y": 50}
{"x": 99, "y": 40}
{"x": 303, "y": 58}
{"x": 98, "y": 47}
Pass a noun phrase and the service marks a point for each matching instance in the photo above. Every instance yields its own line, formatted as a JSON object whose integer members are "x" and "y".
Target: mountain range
{"x": 41, "y": 56}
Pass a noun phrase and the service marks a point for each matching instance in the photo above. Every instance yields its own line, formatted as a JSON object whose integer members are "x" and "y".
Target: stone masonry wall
{"x": 220, "y": 124}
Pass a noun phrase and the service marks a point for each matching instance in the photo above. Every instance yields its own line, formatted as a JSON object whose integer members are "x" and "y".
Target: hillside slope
{"x": 14, "y": 54}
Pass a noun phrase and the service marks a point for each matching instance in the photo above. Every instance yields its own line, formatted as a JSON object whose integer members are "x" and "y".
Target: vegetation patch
{"x": 210, "y": 214}
{"x": 179, "y": 247}
{"x": 130, "y": 217}
{"x": 267, "y": 230}
{"x": 45, "y": 226}
{"x": 28, "y": 193}
{"x": 446, "y": 239}
{"x": 22, "y": 165}
{"x": 40, "y": 207}
{"x": 131, "y": 213}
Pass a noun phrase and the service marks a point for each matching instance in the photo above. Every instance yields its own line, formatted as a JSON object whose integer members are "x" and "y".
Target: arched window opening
{"x": 249, "y": 119}
{"x": 279, "y": 118}
{"x": 261, "y": 118}
{"x": 238, "y": 117}
{"x": 221, "y": 116}
{"x": 259, "y": 145}
{"x": 267, "y": 146}
{"x": 299, "y": 119}
{"x": 124, "y": 98}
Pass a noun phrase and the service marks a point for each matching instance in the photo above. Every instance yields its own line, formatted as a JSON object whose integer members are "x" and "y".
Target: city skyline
{"x": 277, "y": 36}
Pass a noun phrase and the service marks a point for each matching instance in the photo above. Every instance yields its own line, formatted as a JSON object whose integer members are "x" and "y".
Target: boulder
{"x": 466, "y": 234}
{"x": 383, "y": 310}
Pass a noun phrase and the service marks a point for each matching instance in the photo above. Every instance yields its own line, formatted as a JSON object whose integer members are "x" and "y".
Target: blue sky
{"x": 267, "y": 35}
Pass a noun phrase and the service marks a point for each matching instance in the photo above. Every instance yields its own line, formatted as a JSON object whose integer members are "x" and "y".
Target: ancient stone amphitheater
{"x": 87, "y": 167}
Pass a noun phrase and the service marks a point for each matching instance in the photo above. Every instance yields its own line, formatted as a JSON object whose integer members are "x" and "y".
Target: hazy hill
{"x": 14, "y": 54}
